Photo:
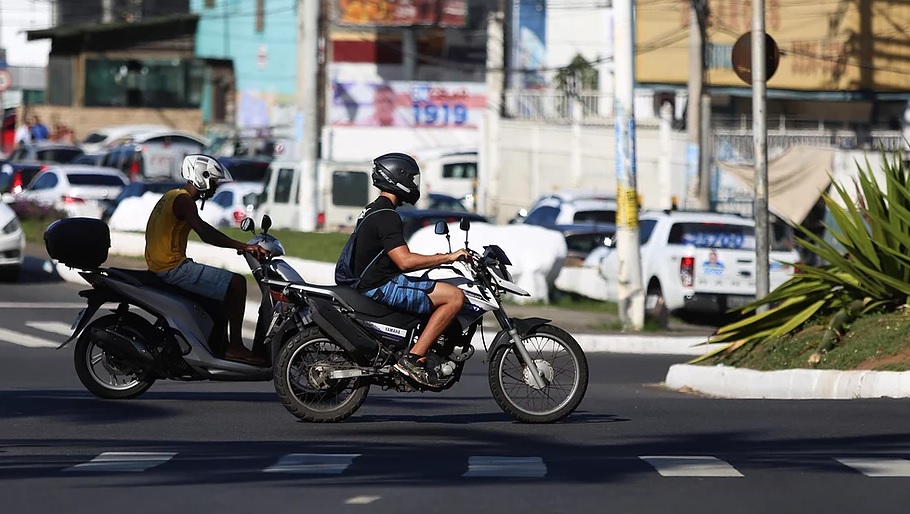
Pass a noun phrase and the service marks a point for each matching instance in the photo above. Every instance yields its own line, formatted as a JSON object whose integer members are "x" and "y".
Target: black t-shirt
{"x": 381, "y": 231}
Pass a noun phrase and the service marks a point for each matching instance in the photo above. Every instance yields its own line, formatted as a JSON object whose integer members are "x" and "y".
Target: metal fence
{"x": 556, "y": 107}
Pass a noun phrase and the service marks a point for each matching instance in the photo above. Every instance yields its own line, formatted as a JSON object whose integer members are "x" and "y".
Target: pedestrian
{"x": 24, "y": 133}
{"x": 38, "y": 130}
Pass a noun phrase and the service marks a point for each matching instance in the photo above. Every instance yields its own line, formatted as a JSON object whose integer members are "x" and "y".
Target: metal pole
{"x": 664, "y": 162}
{"x": 705, "y": 154}
{"x": 631, "y": 294}
{"x": 307, "y": 111}
{"x": 760, "y": 150}
{"x": 487, "y": 191}
{"x": 693, "y": 122}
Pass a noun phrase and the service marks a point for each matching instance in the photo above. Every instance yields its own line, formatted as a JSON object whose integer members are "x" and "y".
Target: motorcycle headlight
{"x": 12, "y": 226}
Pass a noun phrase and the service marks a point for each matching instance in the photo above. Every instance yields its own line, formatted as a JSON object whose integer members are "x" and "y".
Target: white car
{"x": 153, "y": 153}
{"x": 238, "y": 200}
{"x": 98, "y": 140}
{"x": 572, "y": 207}
{"x": 698, "y": 261}
{"x": 78, "y": 190}
{"x": 12, "y": 244}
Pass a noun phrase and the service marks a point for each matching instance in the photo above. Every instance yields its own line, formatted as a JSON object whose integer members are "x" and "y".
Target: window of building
{"x": 173, "y": 83}
{"x": 260, "y": 15}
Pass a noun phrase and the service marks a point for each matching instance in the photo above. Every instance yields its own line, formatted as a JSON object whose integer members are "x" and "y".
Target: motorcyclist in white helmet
{"x": 165, "y": 247}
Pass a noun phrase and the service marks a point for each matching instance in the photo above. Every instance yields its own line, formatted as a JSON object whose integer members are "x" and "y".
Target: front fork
{"x": 505, "y": 322}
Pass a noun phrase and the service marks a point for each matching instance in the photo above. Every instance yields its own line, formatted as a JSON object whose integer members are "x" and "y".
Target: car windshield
{"x": 251, "y": 199}
{"x": 58, "y": 155}
{"x": 248, "y": 171}
{"x": 94, "y": 137}
{"x": 93, "y": 179}
{"x": 713, "y": 235}
{"x": 594, "y": 217}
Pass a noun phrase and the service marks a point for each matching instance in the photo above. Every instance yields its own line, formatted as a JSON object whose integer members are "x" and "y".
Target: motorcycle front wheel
{"x": 563, "y": 366}
{"x": 302, "y": 382}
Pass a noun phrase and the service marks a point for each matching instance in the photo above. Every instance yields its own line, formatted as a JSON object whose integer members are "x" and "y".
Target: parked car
{"x": 244, "y": 169}
{"x": 77, "y": 190}
{"x": 97, "y": 141}
{"x": 12, "y": 244}
{"x": 138, "y": 188}
{"x": 440, "y": 202}
{"x": 698, "y": 261}
{"x": 26, "y": 161}
{"x": 415, "y": 219}
{"x": 583, "y": 238}
{"x": 155, "y": 154}
{"x": 238, "y": 199}
{"x": 571, "y": 207}
{"x": 93, "y": 159}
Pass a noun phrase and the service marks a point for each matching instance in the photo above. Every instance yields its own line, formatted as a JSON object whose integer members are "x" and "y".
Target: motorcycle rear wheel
{"x": 122, "y": 382}
{"x": 513, "y": 389}
{"x": 302, "y": 387}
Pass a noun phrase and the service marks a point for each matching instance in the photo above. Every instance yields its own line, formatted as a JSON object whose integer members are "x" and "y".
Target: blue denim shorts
{"x": 199, "y": 279}
{"x": 405, "y": 293}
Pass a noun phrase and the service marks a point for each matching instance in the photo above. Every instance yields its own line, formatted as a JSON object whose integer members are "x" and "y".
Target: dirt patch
{"x": 884, "y": 360}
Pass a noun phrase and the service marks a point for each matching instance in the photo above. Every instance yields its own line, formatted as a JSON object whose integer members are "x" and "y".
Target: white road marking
{"x": 18, "y": 338}
{"x": 313, "y": 463}
{"x": 691, "y": 466}
{"x": 878, "y": 467}
{"x": 54, "y": 327}
{"x": 506, "y": 467}
{"x": 126, "y": 462}
{"x": 50, "y": 305}
{"x": 361, "y": 500}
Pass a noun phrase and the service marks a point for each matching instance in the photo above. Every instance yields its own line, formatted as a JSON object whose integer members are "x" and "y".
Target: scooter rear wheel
{"x": 302, "y": 384}
{"x": 103, "y": 374}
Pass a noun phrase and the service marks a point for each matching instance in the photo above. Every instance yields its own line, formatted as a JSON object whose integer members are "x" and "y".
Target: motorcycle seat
{"x": 361, "y": 303}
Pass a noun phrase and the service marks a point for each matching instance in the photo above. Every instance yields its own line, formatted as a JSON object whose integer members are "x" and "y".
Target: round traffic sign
{"x": 742, "y": 57}
{"x": 6, "y": 80}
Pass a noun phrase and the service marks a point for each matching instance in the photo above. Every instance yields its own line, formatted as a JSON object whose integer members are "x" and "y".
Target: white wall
{"x": 573, "y": 29}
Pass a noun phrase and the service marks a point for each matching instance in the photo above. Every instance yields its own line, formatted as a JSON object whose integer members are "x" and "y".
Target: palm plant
{"x": 872, "y": 273}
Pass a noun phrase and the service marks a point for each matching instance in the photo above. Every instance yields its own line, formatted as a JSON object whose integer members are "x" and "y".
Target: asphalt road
{"x": 224, "y": 447}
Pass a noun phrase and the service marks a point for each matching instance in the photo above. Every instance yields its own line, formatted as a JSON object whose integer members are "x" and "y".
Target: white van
{"x": 450, "y": 171}
{"x": 344, "y": 189}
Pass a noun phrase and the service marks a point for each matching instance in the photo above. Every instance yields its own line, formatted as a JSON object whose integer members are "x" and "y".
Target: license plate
{"x": 78, "y": 319}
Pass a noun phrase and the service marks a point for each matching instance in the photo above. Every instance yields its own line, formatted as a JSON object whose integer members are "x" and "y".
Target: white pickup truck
{"x": 694, "y": 261}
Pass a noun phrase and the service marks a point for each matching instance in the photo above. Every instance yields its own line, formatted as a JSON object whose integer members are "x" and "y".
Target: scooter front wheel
{"x": 302, "y": 379}
{"x": 562, "y": 365}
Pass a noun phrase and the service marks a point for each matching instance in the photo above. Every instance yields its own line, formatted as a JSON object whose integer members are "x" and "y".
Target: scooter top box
{"x": 78, "y": 242}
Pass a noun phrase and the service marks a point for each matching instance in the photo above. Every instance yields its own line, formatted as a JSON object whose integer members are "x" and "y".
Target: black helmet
{"x": 399, "y": 174}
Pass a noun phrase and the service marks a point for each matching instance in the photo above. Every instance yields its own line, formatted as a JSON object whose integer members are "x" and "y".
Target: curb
{"x": 791, "y": 384}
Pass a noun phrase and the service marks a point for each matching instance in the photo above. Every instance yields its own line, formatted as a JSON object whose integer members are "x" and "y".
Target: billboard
{"x": 402, "y": 13}
{"x": 408, "y": 104}
{"x": 529, "y": 49}
{"x": 825, "y": 46}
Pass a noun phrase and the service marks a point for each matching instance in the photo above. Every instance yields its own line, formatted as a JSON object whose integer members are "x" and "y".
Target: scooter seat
{"x": 146, "y": 278}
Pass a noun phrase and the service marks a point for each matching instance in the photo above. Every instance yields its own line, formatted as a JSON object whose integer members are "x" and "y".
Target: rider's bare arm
{"x": 409, "y": 261}
{"x": 185, "y": 210}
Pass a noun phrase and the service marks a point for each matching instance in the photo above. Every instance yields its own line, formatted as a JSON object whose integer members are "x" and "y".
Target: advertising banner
{"x": 408, "y": 104}
{"x": 825, "y": 46}
{"x": 402, "y": 13}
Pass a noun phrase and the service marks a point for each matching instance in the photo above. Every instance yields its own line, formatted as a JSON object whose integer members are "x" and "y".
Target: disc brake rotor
{"x": 545, "y": 369}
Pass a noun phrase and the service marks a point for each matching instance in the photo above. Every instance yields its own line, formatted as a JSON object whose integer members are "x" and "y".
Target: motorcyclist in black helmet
{"x": 380, "y": 257}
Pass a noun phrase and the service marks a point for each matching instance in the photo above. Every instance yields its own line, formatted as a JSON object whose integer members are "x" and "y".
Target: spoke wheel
{"x": 105, "y": 375}
{"x": 302, "y": 379}
{"x": 564, "y": 370}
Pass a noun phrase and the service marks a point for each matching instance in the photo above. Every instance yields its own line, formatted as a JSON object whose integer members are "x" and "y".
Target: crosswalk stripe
{"x": 878, "y": 467}
{"x": 313, "y": 463}
{"x": 129, "y": 462}
{"x": 690, "y": 466}
{"x": 505, "y": 467}
{"x": 54, "y": 327}
{"x": 50, "y": 305}
{"x": 18, "y": 338}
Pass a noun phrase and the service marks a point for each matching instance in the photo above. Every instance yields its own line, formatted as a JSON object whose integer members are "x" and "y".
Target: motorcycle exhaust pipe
{"x": 121, "y": 346}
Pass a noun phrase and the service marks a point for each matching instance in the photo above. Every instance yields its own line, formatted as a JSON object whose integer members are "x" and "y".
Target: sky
{"x": 17, "y": 16}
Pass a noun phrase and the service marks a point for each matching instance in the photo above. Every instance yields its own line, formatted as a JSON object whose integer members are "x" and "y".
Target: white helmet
{"x": 204, "y": 171}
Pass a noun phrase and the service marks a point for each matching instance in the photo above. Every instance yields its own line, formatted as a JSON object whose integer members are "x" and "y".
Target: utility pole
{"x": 631, "y": 294}
{"x": 693, "y": 107}
{"x": 760, "y": 149}
{"x": 307, "y": 127}
{"x": 487, "y": 187}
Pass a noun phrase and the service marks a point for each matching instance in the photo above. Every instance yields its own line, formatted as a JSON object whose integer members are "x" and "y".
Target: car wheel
{"x": 655, "y": 305}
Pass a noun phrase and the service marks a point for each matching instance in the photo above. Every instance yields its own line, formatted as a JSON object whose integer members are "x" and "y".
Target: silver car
{"x": 12, "y": 244}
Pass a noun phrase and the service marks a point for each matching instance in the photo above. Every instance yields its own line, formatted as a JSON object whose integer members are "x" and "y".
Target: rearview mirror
{"x": 266, "y": 223}
{"x": 442, "y": 227}
{"x": 248, "y": 225}
{"x": 465, "y": 224}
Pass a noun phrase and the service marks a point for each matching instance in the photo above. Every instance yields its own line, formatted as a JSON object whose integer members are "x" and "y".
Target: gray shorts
{"x": 199, "y": 279}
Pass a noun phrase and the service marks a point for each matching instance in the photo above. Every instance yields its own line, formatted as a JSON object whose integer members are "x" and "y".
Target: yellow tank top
{"x": 165, "y": 235}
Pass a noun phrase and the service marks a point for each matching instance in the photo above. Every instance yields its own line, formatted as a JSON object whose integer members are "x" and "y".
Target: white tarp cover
{"x": 132, "y": 214}
{"x": 537, "y": 253}
{"x": 796, "y": 179}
